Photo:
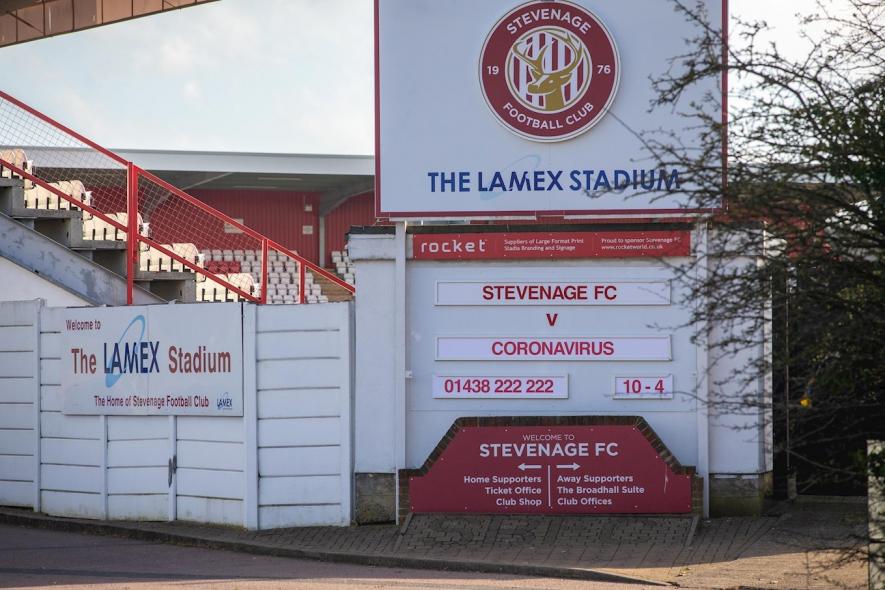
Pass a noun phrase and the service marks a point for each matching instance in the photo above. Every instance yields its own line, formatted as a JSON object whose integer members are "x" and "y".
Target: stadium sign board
{"x": 185, "y": 361}
{"x": 500, "y": 108}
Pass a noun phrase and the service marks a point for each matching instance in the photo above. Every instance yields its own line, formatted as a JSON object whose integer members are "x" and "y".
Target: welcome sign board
{"x": 504, "y": 108}
{"x": 184, "y": 360}
{"x": 580, "y": 469}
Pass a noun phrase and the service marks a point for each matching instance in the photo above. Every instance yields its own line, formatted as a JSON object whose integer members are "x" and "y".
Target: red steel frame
{"x": 134, "y": 173}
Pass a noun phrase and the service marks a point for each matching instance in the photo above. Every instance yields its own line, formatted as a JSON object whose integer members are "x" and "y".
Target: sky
{"x": 295, "y": 77}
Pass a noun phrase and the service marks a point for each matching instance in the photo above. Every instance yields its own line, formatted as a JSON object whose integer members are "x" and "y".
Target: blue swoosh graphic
{"x": 533, "y": 161}
{"x": 111, "y": 378}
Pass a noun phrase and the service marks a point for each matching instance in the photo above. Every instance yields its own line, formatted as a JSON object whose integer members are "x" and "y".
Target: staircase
{"x": 332, "y": 290}
{"x": 41, "y": 241}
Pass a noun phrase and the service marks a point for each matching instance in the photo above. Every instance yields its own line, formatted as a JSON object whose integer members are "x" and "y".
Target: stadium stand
{"x": 85, "y": 207}
{"x": 343, "y": 266}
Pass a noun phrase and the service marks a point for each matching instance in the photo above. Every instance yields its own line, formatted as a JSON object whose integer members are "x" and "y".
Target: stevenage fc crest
{"x": 549, "y": 70}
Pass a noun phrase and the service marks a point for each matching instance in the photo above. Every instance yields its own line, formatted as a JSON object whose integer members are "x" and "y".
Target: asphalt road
{"x": 32, "y": 558}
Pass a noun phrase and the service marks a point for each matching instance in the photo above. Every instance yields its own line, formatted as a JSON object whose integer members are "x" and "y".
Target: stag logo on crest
{"x": 549, "y": 71}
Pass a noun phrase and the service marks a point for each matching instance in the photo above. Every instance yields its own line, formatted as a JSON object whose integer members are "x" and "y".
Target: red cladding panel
{"x": 357, "y": 211}
{"x": 279, "y": 215}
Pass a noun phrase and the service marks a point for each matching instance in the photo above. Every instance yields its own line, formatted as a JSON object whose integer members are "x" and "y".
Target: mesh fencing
{"x": 285, "y": 277}
{"x": 79, "y": 172}
{"x": 226, "y": 256}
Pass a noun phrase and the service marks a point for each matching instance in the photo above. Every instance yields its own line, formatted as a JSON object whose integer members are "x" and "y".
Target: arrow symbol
{"x": 573, "y": 466}
{"x": 523, "y": 466}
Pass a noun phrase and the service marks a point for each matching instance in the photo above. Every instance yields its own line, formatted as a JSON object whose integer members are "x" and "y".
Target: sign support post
{"x": 399, "y": 339}
{"x": 702, "y": 383}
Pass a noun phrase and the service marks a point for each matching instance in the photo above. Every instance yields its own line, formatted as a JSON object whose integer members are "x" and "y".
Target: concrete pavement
{"x": 804, "y": 545}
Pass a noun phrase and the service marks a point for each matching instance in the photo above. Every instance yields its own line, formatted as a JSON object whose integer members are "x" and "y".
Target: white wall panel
{"x": 299, "y": 461}
{"x": 17, "y": 389}
{"x": 298, "y": 345}
{"x": 138, "y": 507}
{"x": 57, "y": 425}
{"x": 307, "y": 490}
{"x": 74, "y": 505}
{"x": 374, "y": 380}
{"x": 50, "y": 371}
{"x": 299, "y": 432}
{"x": 17, "y": 493}
{"x": 17, "y": 442}
{"x": 138, "y": 453}
{"x": 71, "y": 478}
{"x": 737, "y": 396}
{"x": 71, "y": 447}
{"x": 137, "y": 427}
{"x": 18, "y": 467}
{"x": 16, "y": 364}
{"x": 17, "y": 338}
{"x": 69, "y": 451}
{"x": 304, "y": 449}
{"x": 16, "y": 415}
{"x": 285, "y": 374}
{"x": 212, "y": 510}
{"x": 52, "y": 398}
{"x": 290, "y": 516}
{"x": 210, "y": 455}
{"x": 210, "y": 429}
{"x": 138, "y": 480}
{"x": 288, "y": 319}
{"x": 210, "y": 484}
{"x": 300, "y": 403}
{"x": 50, "y": 345}
{"x": 19, "y": 399}
{"x": 18, "y": 313}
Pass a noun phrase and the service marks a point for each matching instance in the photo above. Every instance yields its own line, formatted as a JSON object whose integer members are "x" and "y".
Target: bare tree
{"x": 800, "y": 247}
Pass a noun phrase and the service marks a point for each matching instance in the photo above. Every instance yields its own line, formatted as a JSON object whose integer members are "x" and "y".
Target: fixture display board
{"x": 599, "y": 468}
{"x": 552, "y": 293}
{"x": 186, "y": 361}
{"x": 502, "y": 108}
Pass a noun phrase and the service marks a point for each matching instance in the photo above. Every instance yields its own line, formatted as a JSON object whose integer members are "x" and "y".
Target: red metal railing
{"x": 157, "y": 214}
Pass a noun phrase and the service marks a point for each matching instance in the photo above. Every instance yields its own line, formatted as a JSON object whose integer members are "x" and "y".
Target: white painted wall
{"x": 19, "y": 389}
{"x": 137, "y": 467}
{"x": 286, "y": 462}
{"x": 590, "y": 383}
{"x": 304, "y": 372}
{"x": 737, "y": 441}
{"x": 210, "y": 480}
{"x": 374, "y": 389}
{"x": 20, "y": 284}
{"x": 72, "y": 448}
{"x": 740, "y": 410}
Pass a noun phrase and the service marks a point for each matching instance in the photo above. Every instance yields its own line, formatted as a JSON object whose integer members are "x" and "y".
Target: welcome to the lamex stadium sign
{"x": 182, "y": 360}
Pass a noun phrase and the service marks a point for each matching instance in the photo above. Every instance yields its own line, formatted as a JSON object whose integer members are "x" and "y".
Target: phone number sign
{"x": 500, "y": 387}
